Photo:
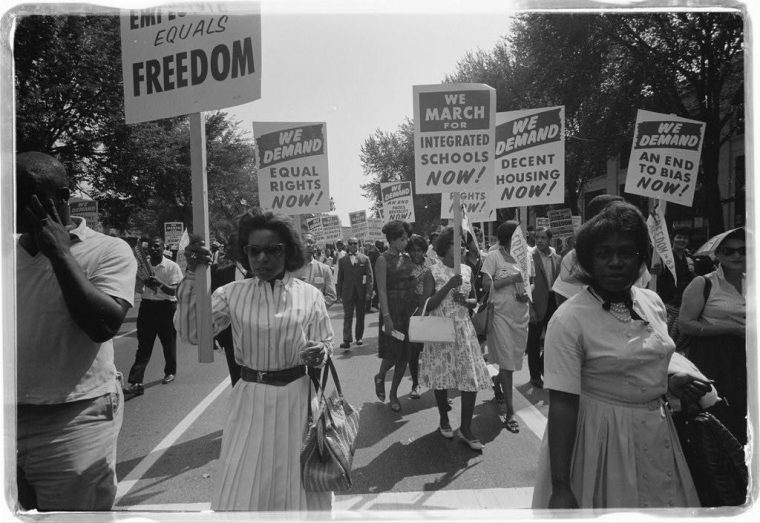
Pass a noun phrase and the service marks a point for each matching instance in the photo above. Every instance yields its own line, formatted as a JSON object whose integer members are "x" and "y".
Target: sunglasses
{"x": 729, "y": 251}
{"x": 274, "y": 249}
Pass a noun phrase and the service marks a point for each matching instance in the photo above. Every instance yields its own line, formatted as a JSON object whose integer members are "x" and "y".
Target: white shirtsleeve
{"x": 116, "y": 272}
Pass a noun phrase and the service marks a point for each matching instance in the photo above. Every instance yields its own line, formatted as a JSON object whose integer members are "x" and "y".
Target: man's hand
{"x": 49, "y": 232}
{"x": 196, "y": 254}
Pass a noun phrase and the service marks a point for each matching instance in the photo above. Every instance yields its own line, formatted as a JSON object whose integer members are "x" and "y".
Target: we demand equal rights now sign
{"x": 177, "y": 62}
{"x": 453, "y": 137}
{"x": 292, "y": 163}
{"x": 664, "y": 160}
{"x": 530, "y": 157}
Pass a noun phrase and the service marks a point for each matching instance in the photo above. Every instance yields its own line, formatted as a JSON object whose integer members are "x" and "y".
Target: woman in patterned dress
{"x": 610, "y": 441}
{"x": 279, "y": 325}
{"x": 457, "y": 365}
{"x": 395, "y": 289}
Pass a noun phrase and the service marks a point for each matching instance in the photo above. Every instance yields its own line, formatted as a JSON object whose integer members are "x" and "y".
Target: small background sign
{"x": 398, "y": 201}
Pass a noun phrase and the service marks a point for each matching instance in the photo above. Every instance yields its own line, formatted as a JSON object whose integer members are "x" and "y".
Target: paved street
{"x": 171, "y": 438}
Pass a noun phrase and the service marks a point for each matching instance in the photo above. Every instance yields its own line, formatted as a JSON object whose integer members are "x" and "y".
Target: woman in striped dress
{"x": 279, "y": 325}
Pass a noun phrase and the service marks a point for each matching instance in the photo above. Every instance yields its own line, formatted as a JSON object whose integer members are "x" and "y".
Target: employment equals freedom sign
{"x": 176, "y": 62}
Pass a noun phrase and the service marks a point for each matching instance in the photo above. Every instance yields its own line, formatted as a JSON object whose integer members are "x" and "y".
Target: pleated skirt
{"x": 259, "y": 466}
{"x": 624, "y": 457}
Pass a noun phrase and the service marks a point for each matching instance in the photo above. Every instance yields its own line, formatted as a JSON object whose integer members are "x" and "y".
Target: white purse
{"x": 436, "y": 329}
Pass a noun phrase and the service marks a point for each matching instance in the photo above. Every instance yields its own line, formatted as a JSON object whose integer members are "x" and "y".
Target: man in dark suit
{"x": 231, "y": 270}
{"x": 355, "y": 289}
{"x": 546, "y": 263}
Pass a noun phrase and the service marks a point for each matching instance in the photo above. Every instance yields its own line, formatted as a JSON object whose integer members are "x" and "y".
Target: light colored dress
{"x": 626, "y": 450}
{"x": 259, "y": 466}
{"x": 508, "y": 335}
{"x": 457, "y": 365}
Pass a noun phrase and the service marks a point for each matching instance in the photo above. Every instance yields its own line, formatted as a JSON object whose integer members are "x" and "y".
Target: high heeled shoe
{"x": 474, "y": 444}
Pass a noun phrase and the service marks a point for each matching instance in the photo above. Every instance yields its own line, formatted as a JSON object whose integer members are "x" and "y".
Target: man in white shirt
{"x": 74, "y": 287}
{"x": 156, "y": 318}
{"x": 317, "y": 273}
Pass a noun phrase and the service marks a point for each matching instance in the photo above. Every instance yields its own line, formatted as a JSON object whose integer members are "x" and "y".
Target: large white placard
{"x": 453, "y": 137}
{"x": 530, "y": 157}
{"x": 187, "y": 59}
{"x": 476, "y": 205}
{"x": 292, "y": 162}
{"x": 664, "y": 160}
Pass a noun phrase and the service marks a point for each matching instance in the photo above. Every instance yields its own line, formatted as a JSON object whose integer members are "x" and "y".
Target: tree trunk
{"x": 713, "y": 208}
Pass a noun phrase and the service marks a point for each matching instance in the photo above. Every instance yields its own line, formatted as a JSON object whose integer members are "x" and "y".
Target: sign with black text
{"x": 292, "y": 164}
{"x": 177, "y": 60}
{"x": 664, "y": 160}
{"x": 530, "y": 157}
{"x": 398, "y": 201}
{"x": 331, "y": 229}
{"x": 475, "y": 204}
{"x": 173, "y": 234}
{"x": 358, "y": 221}
{"x": 453, "y": 137}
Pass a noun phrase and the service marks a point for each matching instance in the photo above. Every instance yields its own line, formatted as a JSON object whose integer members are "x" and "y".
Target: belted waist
{"x": 272, "y": 377}
{"x": 646, "y": 405}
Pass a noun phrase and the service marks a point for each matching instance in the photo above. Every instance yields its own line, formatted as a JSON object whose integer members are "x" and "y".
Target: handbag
{"x": 437, "y": 329}
{"x": 483, "y": 317}
{"x": 715, "y": 458}
{"x": 329, "y": 440}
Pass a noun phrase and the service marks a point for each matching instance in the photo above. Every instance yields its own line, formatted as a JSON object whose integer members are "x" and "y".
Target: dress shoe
{"x": 474, "y": 444}
{"x": 345, "y": 345}
{"x": 446, "y": 432}
{"x": 168, "y": 379}
{"x": 359, "y": 342}
{"x": 135, "y": 389}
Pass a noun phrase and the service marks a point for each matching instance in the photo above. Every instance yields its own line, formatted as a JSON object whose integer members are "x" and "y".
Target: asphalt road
{"x": 171, "y": 438}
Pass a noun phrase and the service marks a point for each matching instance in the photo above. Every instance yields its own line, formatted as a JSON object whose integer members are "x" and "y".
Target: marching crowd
{"x": 596, "y": 337}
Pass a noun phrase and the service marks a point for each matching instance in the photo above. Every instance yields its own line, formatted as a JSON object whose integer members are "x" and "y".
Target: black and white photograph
{"x": 373, "y": 260}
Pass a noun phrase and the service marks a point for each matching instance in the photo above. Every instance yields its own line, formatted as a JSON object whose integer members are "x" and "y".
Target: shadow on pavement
{"x": 177, "y": 460}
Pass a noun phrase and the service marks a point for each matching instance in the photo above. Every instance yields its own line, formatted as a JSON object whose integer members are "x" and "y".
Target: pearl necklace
{"x": 620, "y": 312}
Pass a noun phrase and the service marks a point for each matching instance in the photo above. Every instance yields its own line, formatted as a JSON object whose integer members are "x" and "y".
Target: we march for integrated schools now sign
{"x": 188, "y": 59}
{"x": 292, "y": 167}
{"x": 453, "y": 137}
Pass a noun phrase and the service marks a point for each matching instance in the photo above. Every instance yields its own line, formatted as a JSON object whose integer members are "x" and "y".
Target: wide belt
{"x": 272, "y": 377}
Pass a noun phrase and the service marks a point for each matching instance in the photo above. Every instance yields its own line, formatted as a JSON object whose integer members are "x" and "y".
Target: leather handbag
{"x": 329, "y": 441}
{"x": 436, "y": 329}
{"x": 483, "y": 317}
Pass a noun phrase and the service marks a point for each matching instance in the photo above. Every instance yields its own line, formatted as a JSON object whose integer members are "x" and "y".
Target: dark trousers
{"x": 155, "y": 318}
{"x": 355, "y": 301}
{"x": 535, "y": 359}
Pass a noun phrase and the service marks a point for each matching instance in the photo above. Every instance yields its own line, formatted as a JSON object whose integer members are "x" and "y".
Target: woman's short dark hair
{"x": 395, "y": 229}
{"x": 278, "y": 224}
{"x": 618, "y": 217}
{"x": 445, "y": 237}
{"x": 415, "y": 240}
{"x": 504, "y": 232}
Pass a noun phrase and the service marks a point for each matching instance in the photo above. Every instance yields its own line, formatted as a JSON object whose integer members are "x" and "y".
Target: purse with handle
{"x": 437, "y": 329}
{"x": 329, "y": 441}
{"x": 483, "y": 317}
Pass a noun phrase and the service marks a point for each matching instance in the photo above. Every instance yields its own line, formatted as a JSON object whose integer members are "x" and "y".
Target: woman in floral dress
{"x": 457, "y": 365}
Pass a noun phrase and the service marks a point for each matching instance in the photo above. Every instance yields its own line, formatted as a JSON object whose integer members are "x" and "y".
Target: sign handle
{"x": 457, "y": 234}
{"x": 201, "y": 227}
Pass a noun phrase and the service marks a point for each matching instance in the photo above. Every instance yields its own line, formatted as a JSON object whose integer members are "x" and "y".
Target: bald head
{"x": 41, "y": 175}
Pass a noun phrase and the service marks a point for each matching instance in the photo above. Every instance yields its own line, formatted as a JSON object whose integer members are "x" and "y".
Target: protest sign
{"x": 453, "y": 137}
{"x": 664, "y": 160}
{"x": 658, "y": 234}
{"x": 474, "y": 203}
{"x": 576, "y": 222}
{"x": 529, "y": 157}
{"x": 176, "y": 61}
{"x": 173, "y": 234}
{"x": 292, "y": 163}
{"x": 87, "y": 209}
{"x": 561, "y": 223}
{"x": 398, "y": 201}
{"x": 542, "y": 222}
{"x": 346, "y": 233}
{"x": 314, "y": 226}
{"x": 375, "y": 229}
{"x": 358, "y": 221}
{"x": 331, "y": 229}
{"x": 518, "y": 249}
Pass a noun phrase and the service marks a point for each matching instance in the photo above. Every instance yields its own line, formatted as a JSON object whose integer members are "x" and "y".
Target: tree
{"x": 70, "y": 104}
{"x": 389, "y": 157}
{"x": 603, "y": 68}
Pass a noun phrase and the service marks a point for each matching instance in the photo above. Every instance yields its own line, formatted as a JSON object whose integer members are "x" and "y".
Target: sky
{"x": 354, "y": 69}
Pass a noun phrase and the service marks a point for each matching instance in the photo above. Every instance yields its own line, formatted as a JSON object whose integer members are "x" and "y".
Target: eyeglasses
{"x": 604, "y": 254}
{"x": 274, "y": 249}
{"x": 729, "y": 251}
{"x": 353, "y": 243}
